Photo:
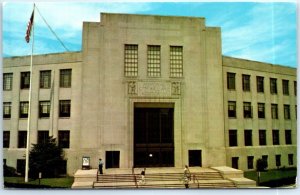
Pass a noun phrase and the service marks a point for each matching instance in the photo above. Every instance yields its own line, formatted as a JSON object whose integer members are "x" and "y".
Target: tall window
{"x": 45, "y": 79}
{"x": 131, "y": 60}
{"x": 231, "y": 80}
{"x": 153, "y": 61}
{"x": 261, "y": 110}
{"x": 246, "y": 82}
{"x": 295, "y": 87}
{"x": 232, "y": 138}
{"x": 265, "y": 158}
{"x": 278, "y": 160}
{"x": 262, "y": 137}
{"x": 6, "y": 138}
{"x": 6, "y": 109}
{"x": 285, "y": 87}
{"x": 235, "y": 162}
{"x": 176, "y": 61}
{"x": 44, "y": 109}
{"x": 288, "y": 137}
{"x": 248, "y": 137}
{"x": 24, "y": 106}
{"x": 250, "y": 160}
{"x": 274, "y": 111}
{"x": 260, "y": 84}
{"x": 65, "y": 78}
{"x": 247, "y": 110}
{"x": 64, "y": 108}
{"x": 22, "y": 139}
{"x": 287, "y": 114}
{"x": 291, "y": 159}
{"x": 273, "y": 86}
{"x": 25, "y": 80}
{"x": 64, "y": 139}
{"x": 43, "y": 136}
{"x": 7, "y": 81}
{"x": 232, "y": 109}
{"x": 275, "y": 134}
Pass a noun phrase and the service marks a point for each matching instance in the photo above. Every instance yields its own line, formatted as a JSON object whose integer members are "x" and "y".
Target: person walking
{"x": 100, "y": 166}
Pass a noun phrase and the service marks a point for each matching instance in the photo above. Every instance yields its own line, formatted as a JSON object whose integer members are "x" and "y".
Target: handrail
{"x": 134, "y": 176}
{"x": 194, "y": 177}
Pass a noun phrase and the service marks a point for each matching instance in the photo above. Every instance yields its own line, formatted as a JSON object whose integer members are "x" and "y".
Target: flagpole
{"x": 29, "y": 107}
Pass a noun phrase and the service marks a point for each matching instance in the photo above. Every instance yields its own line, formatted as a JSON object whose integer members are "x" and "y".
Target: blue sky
{"x": 256, "y": 31}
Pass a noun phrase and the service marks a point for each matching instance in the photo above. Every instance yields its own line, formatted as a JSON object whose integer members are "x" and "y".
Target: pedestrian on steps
{"x": 186, "y": 176}
{"x": 143, "y": 176}
{"x": 100, "y": 166}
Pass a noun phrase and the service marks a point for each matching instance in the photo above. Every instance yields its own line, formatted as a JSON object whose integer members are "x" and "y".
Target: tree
{"x": 46, "y": 158}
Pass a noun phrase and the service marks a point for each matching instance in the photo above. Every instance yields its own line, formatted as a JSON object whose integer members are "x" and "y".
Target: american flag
{"x": 29, "y": 27}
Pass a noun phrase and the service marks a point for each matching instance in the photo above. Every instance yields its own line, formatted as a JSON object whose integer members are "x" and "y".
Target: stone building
{"x": 151, "y": 91}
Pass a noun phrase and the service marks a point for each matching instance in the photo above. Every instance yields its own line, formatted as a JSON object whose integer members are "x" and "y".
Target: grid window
{"x": 43, "y": 137}
{"x": 291, "y": 159}
{"x": 232, "y": 138}
{"x": 278, "y": 160}
{"x": 6, "y": 110}
{"x": 265, "y": 159}
{"x": 232, "y": 109}
{"x": 248, "y": 137}
{"x": 235, "y": 162}
{"x": 6, "y": 138}
{"x": 288, "y": 137}
{"x": 153, "y": 61}
{"x": 131, "y": 60}
{"x": 25, "y": 80}
{"x": 230, "y": 81}
{"x": 273, "y": 86}
{"x": 250, "y": 160}
{"x": 295, "y": 88}
{"x": 275, "y": 134}
{"x": 274, "y": 111}
{"x": 287, "y": 114}
{"x": 44, "y": 109}
{"x": 7, "y": 81}
{"x": 64, "y": 139}
{"x": 260, "y": 84}
{"x": 262, "y": 137}
{"x": 285, "y": 87}
{"x": 45, "y": 79}
{"x": 246, "y": 82}
{"x": 176, "y": 61}
{"x": 24, "y": 106}
{"x": 64, "y": 108}
{"x": 247, "y": 110}
{"x": 22, "y": 139}
{"x": 261, "y": 110}
{"x": 65, "y": 78}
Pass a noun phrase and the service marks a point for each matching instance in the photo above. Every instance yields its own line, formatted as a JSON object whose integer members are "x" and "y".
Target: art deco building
{"x": 151, "y": 91}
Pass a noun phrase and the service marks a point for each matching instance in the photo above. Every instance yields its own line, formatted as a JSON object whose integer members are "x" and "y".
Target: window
{"x": 260, "y": 84}
{"x": 64, "y": 139}
{"x": 232, "y": 138}
{"x": 285, "y": 87}
{"x": 44, "y": 109}
{"x": 176, "y": 61}
{"x": 248, "y": 137}
{"x": 287, "y": 111}
{"x": 64, "y": 108}
{"x": 295, "y": 88}
{"x": 235, "y": 162}
{"x": 45, "y": 79}
{"x": 25, "y": 80}
{"x": 296, "y": 111}
{"x": 288, "y": 137}
{"x": 291, "y": 159}
{"x": 112, "y": 159}
{"x": 131, "y": 60}
{"x": 6, "y": 110}
{"x": 265, "y": 158}
{"x": 6, "y": 137}
{"x": 273, "y": 86}
{"x": 43, "y": 137}
{"x": 230, "y": 81}
{"x": 24, "y": 106}
{"x": 7, "y": 81}
{"x": 247, "y": 110}
{"x": 232, "y": 109}
{"x": 274, "y": 111}
{"x": 278, "y": 160}
{"x": 261, "y": 110}
{"x": 195, "y": 158}
{"x": 275, "y": 134}
{"x": 153, "y": 61}
{"x": 250, "y": 160}
{"x": 65, "y": 78}
{"x": 262, "y": 137}
{"x": 246, "y": 82}
{"x": 22, "y": 139}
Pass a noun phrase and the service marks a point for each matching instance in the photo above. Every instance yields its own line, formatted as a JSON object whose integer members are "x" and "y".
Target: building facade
{"x": 151, "y": 91}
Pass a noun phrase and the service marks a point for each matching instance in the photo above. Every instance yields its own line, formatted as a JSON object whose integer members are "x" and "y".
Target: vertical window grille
{"x": 247, "y": 110}
{"x": 44, "y": 109}
{"x": 153, "y": 61}
{"x": 176, "y": 61}
{"x": 230, "y": 81}
{"x": 285, "y": 87}
{"x": 261, "y": 110}
{"x": 131, "y": 60}
{"x": 6, "y": 109}
{"x": 25, "y": 80}
{"x": 232, "y": 109}
{"x": 274, "y": 111}
{"x": 246, "y": 82}
{"x": 24, "y": 106}
{"x": 260, "y": 84}
{"x": 64, "y": 108}
{"x": 273, "y": 86}
{"x": 7, "y": 81}
{"x": 45, "y": 79}
{"x": 287, "y": 114}
{"x": 65, "y": 78}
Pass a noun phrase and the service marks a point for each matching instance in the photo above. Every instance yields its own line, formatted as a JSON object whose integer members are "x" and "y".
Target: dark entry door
{"x": 153, "y": 137}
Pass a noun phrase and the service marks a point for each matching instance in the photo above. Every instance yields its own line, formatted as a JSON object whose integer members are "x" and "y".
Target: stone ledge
{"x": 243, "y": 182}
{"x": 83, "y": 185}
{"x": 86, "y": 175}
{"x": 228, "y": 172}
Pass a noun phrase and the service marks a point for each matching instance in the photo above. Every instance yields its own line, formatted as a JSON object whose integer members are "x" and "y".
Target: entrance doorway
{"x": 153, "y": 136}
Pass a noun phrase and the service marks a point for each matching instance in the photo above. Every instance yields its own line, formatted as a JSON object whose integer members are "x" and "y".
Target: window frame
{"x": 232, "y": 112}
{"x": 45, "y": 79}
{"x": 247, "y": 110}
{"x": 7, "y": 81}
{"x": 262, "y": 137}
{"x": 64, "y": 139}
{"x": 260, "y": 84}
{"x": 275, "y": 137}
{"x": 6, "y": 110}
{"x": 6, "y": 139}
{"x": 42, "y": 105}
{"x": 248, "y": 141}
{"x": 261, "y": 110}
{"x": 154, "y": 61}
{"x": 246, "y": 83}
{"x": 24, "y": 109}
{"x": 233, "y": 138}
{"x": 42, "y": 136}
{"x": 22, "y": 139}
{"x": 230, "y": 81}
{"x": 288, "y": 136}
{"x": 65, "y": 78}
{"x": 25, "y": 80}
{"x": 287, "y": 112}
{"x": 176, "y": 61}
{"x": 64, "y": 108}
{"x": 131, "y": 55}
{"x": 273, "y": 86}
{"x": 274, "y": 111}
